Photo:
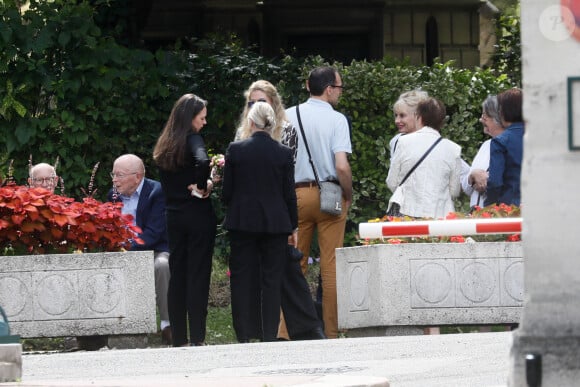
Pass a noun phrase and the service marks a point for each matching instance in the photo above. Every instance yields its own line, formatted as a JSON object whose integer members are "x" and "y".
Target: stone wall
{"x": 79, "y": 294}
{"x": 429, "y": 284}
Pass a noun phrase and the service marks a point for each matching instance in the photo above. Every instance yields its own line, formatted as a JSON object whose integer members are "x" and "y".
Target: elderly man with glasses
{"x": 143, "y": 198}
{"x": 43, "y": 175}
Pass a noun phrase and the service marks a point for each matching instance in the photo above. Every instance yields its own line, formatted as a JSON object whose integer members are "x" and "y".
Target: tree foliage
{"x": 508, "y": 51}
{"x": 71, "y": 92}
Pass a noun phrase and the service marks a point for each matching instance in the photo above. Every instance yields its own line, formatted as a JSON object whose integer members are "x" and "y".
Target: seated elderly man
{"x": 143, "y": 198}
{"x": 43, "y": 175}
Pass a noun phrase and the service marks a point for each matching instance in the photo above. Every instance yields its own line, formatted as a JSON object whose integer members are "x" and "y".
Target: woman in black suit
{"x": 301, "y": 321}
{"x": 261, "y": 217}
{"x": 191, "y": 222}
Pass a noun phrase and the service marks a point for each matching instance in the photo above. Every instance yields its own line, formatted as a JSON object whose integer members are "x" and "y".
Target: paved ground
{"x": 470, "y": 359}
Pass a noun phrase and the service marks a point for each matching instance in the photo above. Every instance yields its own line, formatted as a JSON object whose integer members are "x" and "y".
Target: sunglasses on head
{"x": 251, "y": 103}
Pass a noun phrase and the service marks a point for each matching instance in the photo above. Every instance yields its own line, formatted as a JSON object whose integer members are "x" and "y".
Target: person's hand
{"x": 478, "y": 180}
{"x": 293, "y": 238}
{"x": 215, "y": 176}
{"x": 202, "y": 194}
{"x": 209, "y": 188}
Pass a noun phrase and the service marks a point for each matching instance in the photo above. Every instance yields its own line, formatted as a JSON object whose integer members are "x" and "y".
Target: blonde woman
{"x": 301, "y": 320}
{"x": 405, "y": 108}
{"x": 261, "y": 218}
{"x": 283, "y": 131}
{"x": 431, "y": 163}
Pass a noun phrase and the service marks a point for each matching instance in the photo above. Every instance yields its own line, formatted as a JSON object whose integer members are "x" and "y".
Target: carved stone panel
{"x": 79, "y": 294}
{"x": 425, "y": 284}
{"x": 359, "y": 287}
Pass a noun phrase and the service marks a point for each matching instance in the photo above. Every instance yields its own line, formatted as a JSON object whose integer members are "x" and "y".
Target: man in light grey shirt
{"x": 328, "y": 137}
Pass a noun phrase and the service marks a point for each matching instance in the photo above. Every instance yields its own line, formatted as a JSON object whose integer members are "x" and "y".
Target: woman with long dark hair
{"x": 191, "y": 222}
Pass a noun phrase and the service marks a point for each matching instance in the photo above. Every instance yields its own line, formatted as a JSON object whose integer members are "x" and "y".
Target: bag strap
{"x": 420, "y": 160}
{"x": 306, "y": 145}
{"x": 395, "y": 146}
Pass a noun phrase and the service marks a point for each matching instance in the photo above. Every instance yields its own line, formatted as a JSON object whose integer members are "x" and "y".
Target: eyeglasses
{"x": 484, "y": 117}
{"x": 44, "y": 180}
{"x": 338, "y": 86}
{"x": 251, "y": 103}
{"x": 121, "y": 175}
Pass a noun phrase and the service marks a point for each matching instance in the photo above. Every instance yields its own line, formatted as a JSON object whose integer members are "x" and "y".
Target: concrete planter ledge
{"x": 79, "y": 294}
{"x": 392, "y": 289}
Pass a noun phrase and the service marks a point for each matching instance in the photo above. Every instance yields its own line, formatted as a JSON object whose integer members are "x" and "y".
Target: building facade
{"x": 460, "y": 30}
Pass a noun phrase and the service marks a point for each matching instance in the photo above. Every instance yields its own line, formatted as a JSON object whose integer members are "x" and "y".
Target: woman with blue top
{"x": 506, "y": 151}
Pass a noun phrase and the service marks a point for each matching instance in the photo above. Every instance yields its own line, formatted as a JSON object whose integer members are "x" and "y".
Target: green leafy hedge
{"x": 69, "y": 89}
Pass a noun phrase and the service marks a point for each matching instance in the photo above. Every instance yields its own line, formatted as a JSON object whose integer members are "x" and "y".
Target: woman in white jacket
{"x": 428, "y": 190}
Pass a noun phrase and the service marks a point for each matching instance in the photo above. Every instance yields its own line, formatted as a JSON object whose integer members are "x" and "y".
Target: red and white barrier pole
{"x": 449, "y": 227}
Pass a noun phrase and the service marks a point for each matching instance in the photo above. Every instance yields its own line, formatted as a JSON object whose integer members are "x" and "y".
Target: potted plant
{"x": 394, "y": 285}
{"x": 64, "y": 269}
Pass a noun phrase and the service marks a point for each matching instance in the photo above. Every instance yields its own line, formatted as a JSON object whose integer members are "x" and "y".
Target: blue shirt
{"x": 505, "y": 166}
{"x": 130, "y": 202}
{"x": 327, "y": 133}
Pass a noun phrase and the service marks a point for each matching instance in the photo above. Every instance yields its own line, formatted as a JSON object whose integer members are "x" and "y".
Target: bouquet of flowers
{"x": 217, "y": 167}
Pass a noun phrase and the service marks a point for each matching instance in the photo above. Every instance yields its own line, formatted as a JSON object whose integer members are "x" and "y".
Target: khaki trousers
{"x": 330, "y": 231}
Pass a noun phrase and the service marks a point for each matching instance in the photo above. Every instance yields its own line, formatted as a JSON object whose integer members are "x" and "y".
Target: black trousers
{"x": 191, "y": 237}
{"x": 257, "y": 261}
{"x": 299, "y": 309}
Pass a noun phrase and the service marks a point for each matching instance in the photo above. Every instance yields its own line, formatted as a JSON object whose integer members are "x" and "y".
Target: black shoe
{"x": 313, "y": 334}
